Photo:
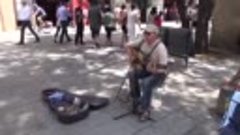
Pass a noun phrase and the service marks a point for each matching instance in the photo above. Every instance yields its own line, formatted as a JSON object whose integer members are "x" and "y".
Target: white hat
{"x": 151, "y": 28}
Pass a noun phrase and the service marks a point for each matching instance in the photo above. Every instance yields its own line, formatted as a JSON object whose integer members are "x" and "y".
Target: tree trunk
{"x": 204, "y": 14}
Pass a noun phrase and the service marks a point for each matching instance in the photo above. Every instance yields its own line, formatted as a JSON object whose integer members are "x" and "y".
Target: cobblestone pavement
{"x": 179, "y": 108}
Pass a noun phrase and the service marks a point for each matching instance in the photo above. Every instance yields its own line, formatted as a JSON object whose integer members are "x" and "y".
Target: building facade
{"x": 226, "y": 25}
{"x": 7, "y": 15}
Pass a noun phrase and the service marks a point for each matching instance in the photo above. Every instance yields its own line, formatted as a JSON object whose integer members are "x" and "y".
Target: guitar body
{"x": 136, "y": 58}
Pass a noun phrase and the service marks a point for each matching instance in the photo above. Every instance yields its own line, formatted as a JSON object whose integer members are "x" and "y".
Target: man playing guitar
{"x": 148, "y": 60}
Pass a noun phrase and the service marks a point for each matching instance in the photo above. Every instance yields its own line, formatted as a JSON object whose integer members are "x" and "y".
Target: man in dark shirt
{"x": 95, "y": 19}
{"x": 80, "y": 25}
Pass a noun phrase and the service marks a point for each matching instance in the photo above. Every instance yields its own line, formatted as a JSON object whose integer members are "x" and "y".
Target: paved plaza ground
{"x": 179, "y": 108}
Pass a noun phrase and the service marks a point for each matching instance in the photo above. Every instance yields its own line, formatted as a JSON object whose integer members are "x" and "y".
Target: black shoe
{"x": 82, "y": 43}
{"x": 37, "y": 40}
{"x": 60, "y": 42}
{"x": 20, "y": 43}
{"x": 55, "y": 40}
{"x": 69, "y": 40}
{"x": 145, "y": 116}
{"x": 97, "y": 45}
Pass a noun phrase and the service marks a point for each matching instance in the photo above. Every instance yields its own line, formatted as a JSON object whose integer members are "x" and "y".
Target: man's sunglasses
{"x": 147, "y": 33}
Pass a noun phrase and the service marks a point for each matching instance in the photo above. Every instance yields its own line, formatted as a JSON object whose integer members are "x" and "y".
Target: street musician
{"x": 148, "y": 59}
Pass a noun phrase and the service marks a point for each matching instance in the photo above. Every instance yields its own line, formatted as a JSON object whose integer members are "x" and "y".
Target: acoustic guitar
{"x": 137, "y": 59}
{"x": 141, "y": 61}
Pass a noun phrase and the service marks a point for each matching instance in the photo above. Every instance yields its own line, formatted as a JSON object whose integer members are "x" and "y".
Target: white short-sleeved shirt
{"x": 25, "y": 13}
{"x": 160, "y": 53}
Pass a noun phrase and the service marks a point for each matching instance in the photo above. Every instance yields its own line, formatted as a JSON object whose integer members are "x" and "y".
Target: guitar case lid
{"x": 95, "y": 102}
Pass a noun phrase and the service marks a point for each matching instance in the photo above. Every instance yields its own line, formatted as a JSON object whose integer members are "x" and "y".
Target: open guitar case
{"x": 69, "y": 107}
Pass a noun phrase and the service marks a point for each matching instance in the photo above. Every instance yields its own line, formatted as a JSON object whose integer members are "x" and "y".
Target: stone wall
{"x": 226, "y": 25}
{"x": 7, "y": 15}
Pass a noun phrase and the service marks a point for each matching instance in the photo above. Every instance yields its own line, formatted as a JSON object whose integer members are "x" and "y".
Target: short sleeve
{"x": 162, "y": 54}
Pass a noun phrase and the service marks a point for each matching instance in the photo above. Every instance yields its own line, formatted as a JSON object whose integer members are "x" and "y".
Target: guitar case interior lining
{"x": 65, "y": 110}
{"x": 72, "y": 113}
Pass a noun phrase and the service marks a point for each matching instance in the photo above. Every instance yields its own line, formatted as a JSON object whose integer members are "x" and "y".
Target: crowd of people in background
{"x": 98, "y": 15}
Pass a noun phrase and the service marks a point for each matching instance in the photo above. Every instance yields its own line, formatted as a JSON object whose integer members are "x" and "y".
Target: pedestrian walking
{"x": 132, "y": 19}
{"x": 39, "y": 16}
{"x": 95, "y": 20}
{"x": 24, "y": 17}
{"x": 109, "y": 20}
{"x": 80, "y": 25}
{"x": 123, "y": 22}
{"x": 63, "y": 16}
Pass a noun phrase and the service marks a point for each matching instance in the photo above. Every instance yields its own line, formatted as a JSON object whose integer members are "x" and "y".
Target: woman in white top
{"x": 152, "y": 15}
{"x": 132, "y": 20}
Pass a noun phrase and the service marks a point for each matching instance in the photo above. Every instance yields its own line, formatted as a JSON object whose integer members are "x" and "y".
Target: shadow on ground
{"x": 180, "y": 106}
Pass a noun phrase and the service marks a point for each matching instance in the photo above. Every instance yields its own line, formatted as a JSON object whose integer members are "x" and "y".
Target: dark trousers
{"x": 58, "y": 28}
{"x": 79, "y": 33}
{"x": 124, "y": 29}
{"x": 109, "y": 32}
{"x": 64, "y": 25}
{"x": 24, "y": 25}
{"x": 228, "y": 130}
{"x": 143, "y": 95}
{"x": 95, "y": 32}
